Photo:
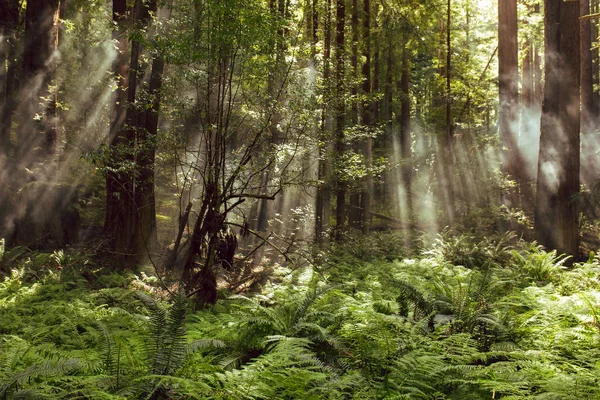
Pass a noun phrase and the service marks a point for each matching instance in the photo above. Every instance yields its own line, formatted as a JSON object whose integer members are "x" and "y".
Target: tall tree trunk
{"x": 323, "y": 201}
{"x": 556, "y": 211}
{"x": 40, "y": 42}
{"x": 340, "y": 111}
{"x": 508, "y": 76}
{"x": 595, "y": 57}
{"x": 9, "y": 19}
{"x": 405, "y": 132}
{"x": 537, "y": 74}
{"x": 587, "y": 85}
{"x": 387, "y": 112}
{"x": 145, "y": 194}
{"x": 266, "y": 208}
{"x": 135, "y": 233}
{"x": 355, "y": 210}
{"x": 527, "y": 77}
{"x": 525, "y": 178}
{"x": 114, "y": 182}
{"x": 448, "y": 142}
{"x": 588, "y": 111}
{"x": 538, "y": 90}
{"x": 367, "y": 117}
{"x": 314, "y": 30}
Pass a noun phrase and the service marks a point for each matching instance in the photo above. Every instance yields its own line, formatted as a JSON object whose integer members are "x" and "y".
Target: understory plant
{"x": 518, "y": 326}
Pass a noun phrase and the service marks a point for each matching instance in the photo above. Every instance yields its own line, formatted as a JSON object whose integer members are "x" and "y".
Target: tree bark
{"x": 40, "y": 43}
{"x": 537, "y": 80}
{"x": 508, "y": 77}
{"x": 323, "y": 201}
{"x": 340, "y": 111}
{"x": 355, "y": 212}
{"x": 405, "y": 132}
{"x": 367, "y": 117}
{"x": 587, "y": 85}
{"x": 527, "y": 77}
{"x": 134, "y": 235}
{"x": 556, "y": 211}
{"x": 114, "y": 182}
{"x": 588, "y": 111}
{"x": 594, "y": 57}
{"x": 9, "y": 19}
{"x": 448, "y": 142}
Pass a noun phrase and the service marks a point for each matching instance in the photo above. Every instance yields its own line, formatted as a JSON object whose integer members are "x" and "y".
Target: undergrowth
{"x": 462, "y": 318}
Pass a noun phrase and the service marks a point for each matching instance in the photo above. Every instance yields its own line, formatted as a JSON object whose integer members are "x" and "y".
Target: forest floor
{"x": 462, "y": 317}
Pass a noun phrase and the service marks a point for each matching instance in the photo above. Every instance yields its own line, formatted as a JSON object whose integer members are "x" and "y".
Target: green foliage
{"x": 513, "y": 325}
{"x": 472, "y": 251}
{"x": 538, "y": 265}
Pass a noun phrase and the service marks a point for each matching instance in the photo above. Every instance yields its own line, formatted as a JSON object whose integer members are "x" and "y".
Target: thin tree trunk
{"x": 323, "y": 201}
{"x": 448, "y": 142}
{"x": 527, "y": 77}
{"x": 367, "y": 117}
{"x": 340, "y": 111}
{"x": 388, "y": 106}
{"x": 587, "y": 86}
{"x": 595, "y": 58}
{"x": 405, "y": 132}
{"x": 588, "y": 111}
{"x": 355, "y": 211}
{"x": 537, "y": 75}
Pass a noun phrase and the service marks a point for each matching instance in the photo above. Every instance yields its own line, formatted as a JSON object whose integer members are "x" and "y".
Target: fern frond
{"x": 44, "y": 369}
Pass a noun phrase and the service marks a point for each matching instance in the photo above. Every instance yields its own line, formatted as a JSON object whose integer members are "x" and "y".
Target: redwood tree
{"x": 9, "y": 18}
{"x": 556, "y": 211}
{"x": 36, "y": 76}
{"x": 508, "y": 80}
{"x": 588, "y": 103}
{"x": 368, "y": 108}
{"x": 323, "y": 200}
{"x": 131, "y": 215}
{"x": 340, "y": 109}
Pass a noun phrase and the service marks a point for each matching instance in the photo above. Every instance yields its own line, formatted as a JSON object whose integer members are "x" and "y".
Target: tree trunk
{"x": 340, "y": 111}
{"x": 355, "y": 211}
{"x": 323, "y": 201}
{"x": 556, "y": 211}
{"x": 387, "y": 113}
{"x": 367, "y": 117}
{"x": 587, "y": 85}
{"x": 537, "y": 75}
{"x": 267, "y": 208}
{"x": 134, "y": 235}
{"x": 448, "y": 142}
{"x": 508, "y": 77}
{"x": 538, "y": 96}
{"x": 114, "y": 182}
{"x": 145, "y": 195}
{"x": 527, "y": 77}
{"x": 594, "y": 57}
{"x": 405, "y": 132}
{"x": 40, "y": 42}
{"x": 9, "y": 19}
{"x": 588, "y": 111}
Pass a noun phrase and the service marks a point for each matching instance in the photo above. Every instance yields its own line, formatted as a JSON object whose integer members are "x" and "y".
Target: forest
{"x": 299, "y": 199}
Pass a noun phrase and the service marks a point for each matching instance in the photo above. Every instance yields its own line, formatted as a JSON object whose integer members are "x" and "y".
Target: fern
{"x": 44, "y": 369}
